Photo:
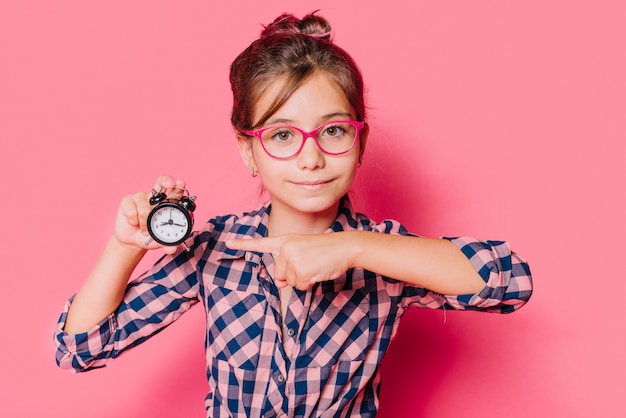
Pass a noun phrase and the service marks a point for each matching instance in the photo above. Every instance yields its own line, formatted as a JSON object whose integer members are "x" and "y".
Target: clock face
{"x": 169, "y": 224}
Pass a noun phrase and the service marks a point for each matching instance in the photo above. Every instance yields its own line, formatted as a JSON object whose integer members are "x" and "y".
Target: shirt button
{"x": 281, "y": 378}
{"x": 291, "y": 332}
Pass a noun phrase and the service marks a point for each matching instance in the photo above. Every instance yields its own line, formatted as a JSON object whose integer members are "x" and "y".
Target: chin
{"x": 317, "y": 206}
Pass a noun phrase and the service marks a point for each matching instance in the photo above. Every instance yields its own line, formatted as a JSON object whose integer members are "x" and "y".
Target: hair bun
{"x": 310, "y": 25}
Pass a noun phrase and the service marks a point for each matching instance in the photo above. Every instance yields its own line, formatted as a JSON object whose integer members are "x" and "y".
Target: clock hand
{"x": 170, "y": 222}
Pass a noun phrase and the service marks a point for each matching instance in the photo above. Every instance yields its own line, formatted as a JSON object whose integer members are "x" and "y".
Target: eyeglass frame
{"x": 305, "y": 135}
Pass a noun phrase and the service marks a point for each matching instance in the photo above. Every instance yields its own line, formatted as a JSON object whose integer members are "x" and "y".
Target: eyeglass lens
{"x": 286, "y": 141}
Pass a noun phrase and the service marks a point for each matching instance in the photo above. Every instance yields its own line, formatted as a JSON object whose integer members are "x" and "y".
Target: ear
{"x": 363, "y": 135}
{"x": 245, "y": 150}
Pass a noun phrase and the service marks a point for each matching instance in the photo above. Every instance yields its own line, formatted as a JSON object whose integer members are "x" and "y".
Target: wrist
{"x": 124, "y": 250}
{"x": 355, "y": 244}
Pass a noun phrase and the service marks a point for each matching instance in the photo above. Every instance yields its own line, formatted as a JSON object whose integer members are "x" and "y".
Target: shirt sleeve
{"x": 151, "y": 302}
{"x": 508, "y": 282}
{"x": 507, "y": 277}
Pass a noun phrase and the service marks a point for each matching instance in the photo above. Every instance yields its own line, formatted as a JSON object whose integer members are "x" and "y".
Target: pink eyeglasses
{"x": 333, "y": 138}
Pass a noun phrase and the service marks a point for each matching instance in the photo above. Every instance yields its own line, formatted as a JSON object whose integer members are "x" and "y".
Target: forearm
{"x": 104, "y": 288}
{"x": 434, "y": 264}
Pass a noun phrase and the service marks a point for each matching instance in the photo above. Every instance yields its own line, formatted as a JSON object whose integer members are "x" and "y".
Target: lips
{"x": 312, "y": 185}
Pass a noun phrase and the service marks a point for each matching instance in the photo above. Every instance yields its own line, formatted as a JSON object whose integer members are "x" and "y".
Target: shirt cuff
{"x": 79, "y": 351}
{"x": 507, "y": 278}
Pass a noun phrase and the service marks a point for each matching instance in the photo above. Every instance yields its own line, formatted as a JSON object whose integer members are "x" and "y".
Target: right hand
{"x": 131, "y": 228}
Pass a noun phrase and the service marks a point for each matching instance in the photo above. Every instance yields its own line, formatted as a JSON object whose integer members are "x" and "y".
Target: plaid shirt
{"x": 322, "y": 359}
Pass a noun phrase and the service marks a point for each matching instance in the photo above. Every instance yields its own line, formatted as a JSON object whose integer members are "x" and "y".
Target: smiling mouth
{"x": 312, "y": 185}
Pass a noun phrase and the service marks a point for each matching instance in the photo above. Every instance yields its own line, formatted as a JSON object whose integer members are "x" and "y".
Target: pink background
{"x": 502, "y": 120}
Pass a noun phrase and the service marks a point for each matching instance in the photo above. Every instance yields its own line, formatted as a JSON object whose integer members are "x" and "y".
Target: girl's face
{"x": 311, "y": 183}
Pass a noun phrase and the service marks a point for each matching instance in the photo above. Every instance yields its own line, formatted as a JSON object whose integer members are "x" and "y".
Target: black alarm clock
{"x": 170, "y": 221}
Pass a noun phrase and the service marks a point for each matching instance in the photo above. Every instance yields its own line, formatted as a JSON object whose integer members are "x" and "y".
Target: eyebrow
{"x": 324, "y": 118}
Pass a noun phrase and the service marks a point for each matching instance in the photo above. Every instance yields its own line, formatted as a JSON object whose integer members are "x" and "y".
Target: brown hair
{"x": 292, "y": 49}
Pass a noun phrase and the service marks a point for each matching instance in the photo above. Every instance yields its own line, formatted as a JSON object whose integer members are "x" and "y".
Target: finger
{"x": 280, "y": 283}
{"x": 133, "y": 208}
{"x": 262, "y": 245}
{"x": 280, "y": 270}
{"x": 128, "y": 210}
{"x": 140, "y": 208}
{"x": 164, "y": 183}
{"x": 304, "y": 286}
{"x": 178, "y": 191}
{"x": 173, "y": 188}
{"x": 170, "y": 249}
{"x": 294, "y": 278}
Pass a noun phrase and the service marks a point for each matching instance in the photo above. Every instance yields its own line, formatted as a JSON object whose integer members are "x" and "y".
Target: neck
{"x": 282, "y": 221}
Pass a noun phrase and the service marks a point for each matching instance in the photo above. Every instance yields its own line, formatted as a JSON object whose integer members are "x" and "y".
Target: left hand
{"x": 301, "y": 260}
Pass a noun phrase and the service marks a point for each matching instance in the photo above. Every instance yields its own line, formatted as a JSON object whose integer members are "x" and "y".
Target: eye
{"x": 282, "y": 135}
{"x": 333, "y": 131}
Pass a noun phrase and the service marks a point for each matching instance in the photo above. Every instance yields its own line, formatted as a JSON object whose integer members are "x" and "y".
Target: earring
{"x": 360, "y": 161}
{"x": 253, "y": 172}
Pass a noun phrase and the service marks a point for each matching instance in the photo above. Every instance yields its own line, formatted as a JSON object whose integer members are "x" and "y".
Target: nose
{"x": 311, "y": 156}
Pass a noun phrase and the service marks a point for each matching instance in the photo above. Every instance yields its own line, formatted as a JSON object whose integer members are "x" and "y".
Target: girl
{"x": 302, "y": 295}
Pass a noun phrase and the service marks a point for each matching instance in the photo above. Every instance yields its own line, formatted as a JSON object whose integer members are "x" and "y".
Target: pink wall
{"x": 503, "y": 120}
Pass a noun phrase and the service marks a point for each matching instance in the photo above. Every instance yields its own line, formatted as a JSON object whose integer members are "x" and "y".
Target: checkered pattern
{"x": 322, "y": 359}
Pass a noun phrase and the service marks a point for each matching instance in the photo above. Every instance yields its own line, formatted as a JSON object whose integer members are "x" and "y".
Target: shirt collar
{"x": 254, "y": 224}
{"x": 248, "y": 225}
{"x": 346, "y": 217}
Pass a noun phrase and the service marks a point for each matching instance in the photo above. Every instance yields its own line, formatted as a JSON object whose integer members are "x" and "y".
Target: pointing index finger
{"x": 262, "y": 245}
